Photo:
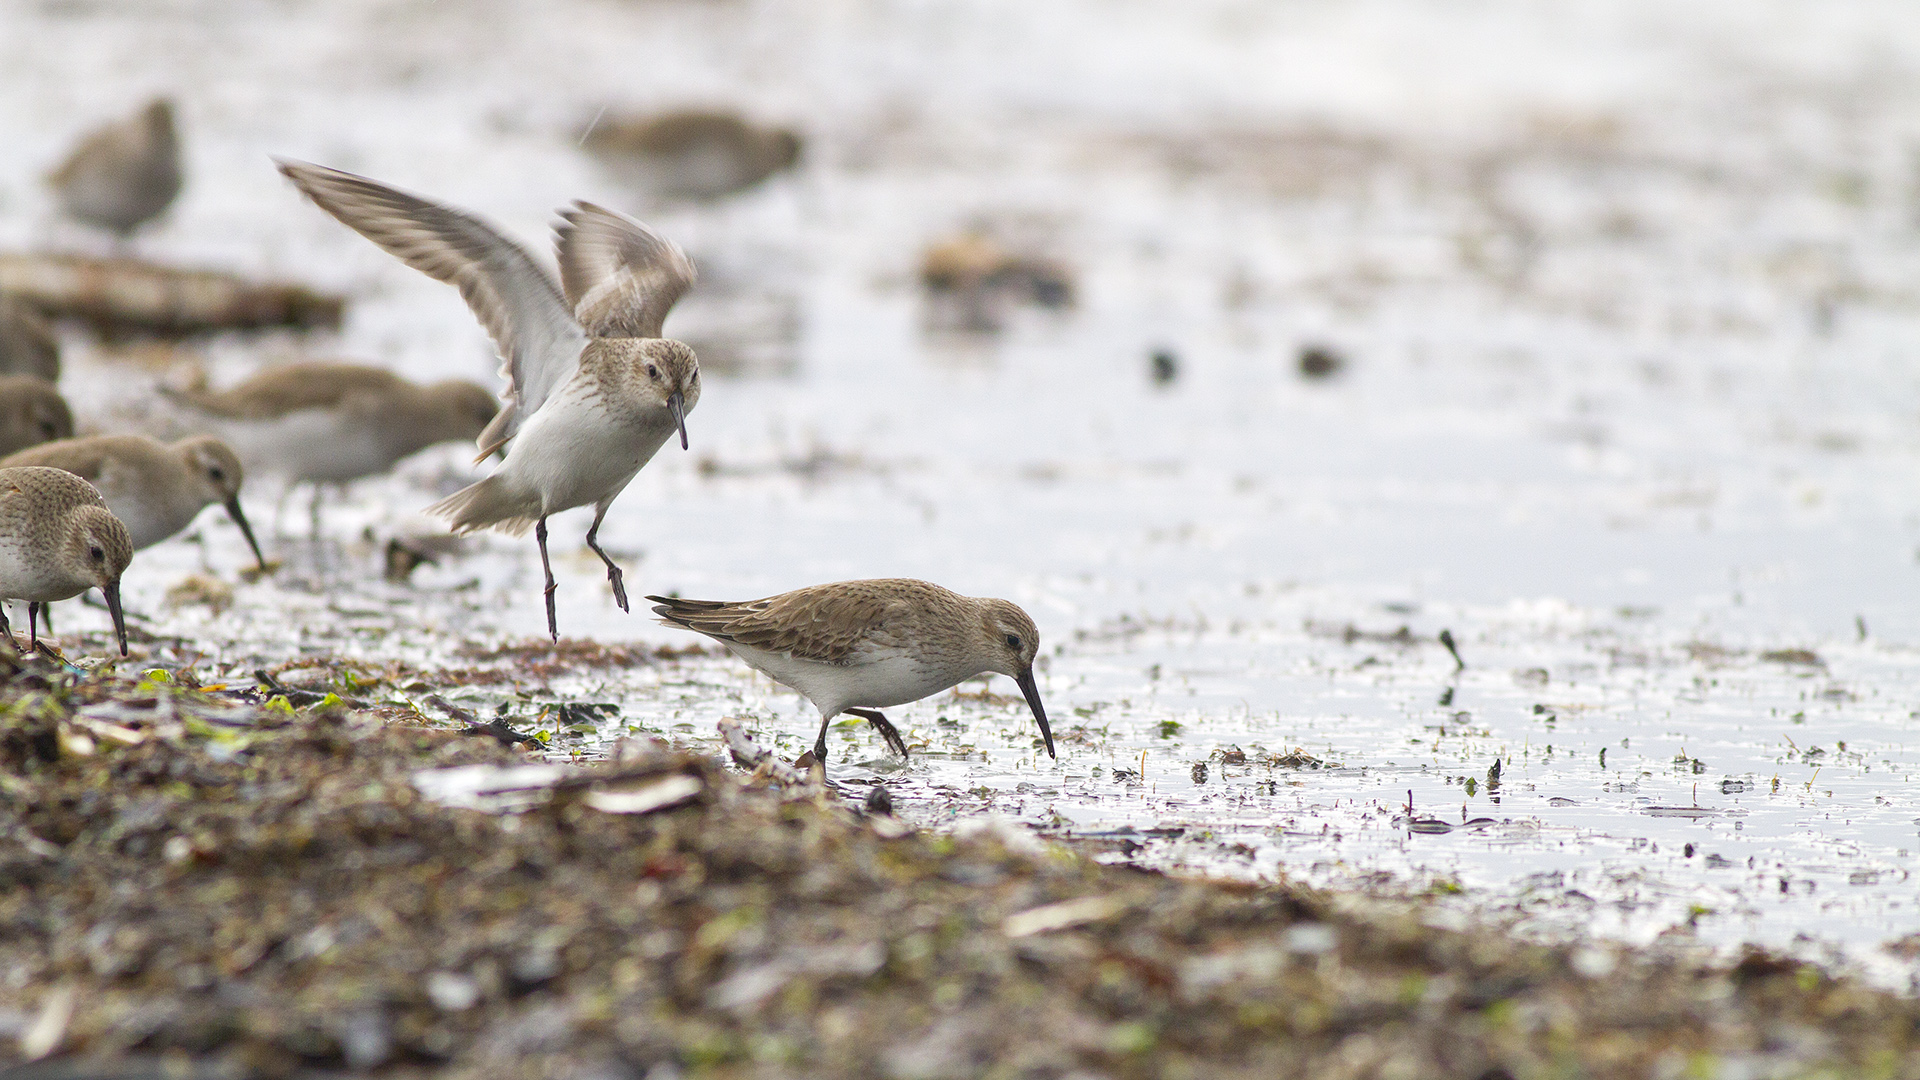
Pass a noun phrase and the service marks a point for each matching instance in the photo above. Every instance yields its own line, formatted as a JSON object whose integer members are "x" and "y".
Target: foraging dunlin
{"x": 31, "y": 412}
{"x": 332, "y": 423}
{"x": 860, "y": 646}
{"x": 27, "y": 344}
{"x": 123, "y": 174}
{"x": 594, "y": 389}
{"x": 57, "y": 540}
{"x": 155, "y": 489}
{"x": 692, "y": 153}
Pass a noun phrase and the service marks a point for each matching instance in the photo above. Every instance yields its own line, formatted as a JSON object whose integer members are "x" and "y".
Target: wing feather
{"x": 824, "y": 623}
{"x": 620, "y": 276}
{"x": 513, "y": 296}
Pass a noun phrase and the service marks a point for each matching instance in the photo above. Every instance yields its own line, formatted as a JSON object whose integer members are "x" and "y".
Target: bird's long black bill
{"x": 678, "y": 406}
{"x": 112, "y": 592}
{"x": 240, "y": 518}
{"x": 1032, "y": 692}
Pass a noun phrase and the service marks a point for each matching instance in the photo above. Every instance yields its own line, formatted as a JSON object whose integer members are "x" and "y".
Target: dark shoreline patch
{"x": 264, "y": 891}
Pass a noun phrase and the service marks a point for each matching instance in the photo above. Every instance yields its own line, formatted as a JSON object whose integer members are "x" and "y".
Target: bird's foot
{"x": 618, "y": 580}
{"x": 888, "y": 732}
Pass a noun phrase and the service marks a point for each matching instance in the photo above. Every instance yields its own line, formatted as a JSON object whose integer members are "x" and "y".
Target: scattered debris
{"x": 1795, "y": 657}
{"x": 1320, "y": 362}
{"x": 971, "y": 280}
{"x": 199, "y": 590}
{"x": 405, "y": 554}
{"x": 1294, "y": 759}
{"x": 126, "y": 296}
{"x": 1348, "y": 633}
{"x": 1163, "y": 367}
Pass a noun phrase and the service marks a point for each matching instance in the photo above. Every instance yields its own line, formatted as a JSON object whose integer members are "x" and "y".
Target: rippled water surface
{"x": 1627, "y": 307}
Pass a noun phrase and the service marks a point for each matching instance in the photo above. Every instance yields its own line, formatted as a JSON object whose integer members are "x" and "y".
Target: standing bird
{"x": 31, "y": 412}
{"x": 692, "y": 153}
{"x": 334, "y": 423}
{"x": 57, "y": 540}
{"x": 122, "y": 174}
{"x": 860, "y": 646}
{"x": 593, "y": 389}
{"x": 155, "y": 489}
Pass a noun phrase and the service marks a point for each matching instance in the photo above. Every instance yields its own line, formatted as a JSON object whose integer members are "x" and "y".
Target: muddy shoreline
{"x": 198, "y": 882}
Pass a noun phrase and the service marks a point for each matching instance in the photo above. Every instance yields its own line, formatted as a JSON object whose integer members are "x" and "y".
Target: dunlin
{"x": 27, "y": 343}
{"x": 123, "y": 174}
{"x": 31, "y": 412}
{"x": 57, "y": 540}
{"x": 155, "y": 489}
{"x": 594, "y": 390}
{"x": 333, "y": 423}
{"x": 694, "y": 154}
{"x": 860, "y": 646}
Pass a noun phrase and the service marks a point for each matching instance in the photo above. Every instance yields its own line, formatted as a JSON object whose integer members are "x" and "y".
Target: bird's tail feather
{"x": 489, "y": 504}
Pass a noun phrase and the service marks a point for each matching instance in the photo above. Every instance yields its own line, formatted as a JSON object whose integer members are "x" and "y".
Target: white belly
{"x": 313, "y": 444}
{"x": 573, "y": 452}
{"x": 30, "y": 575}
{"x": 885, "y": 679}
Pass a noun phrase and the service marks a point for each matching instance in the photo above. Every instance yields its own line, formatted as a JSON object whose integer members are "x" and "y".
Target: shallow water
{"x": 1627, "y": 310}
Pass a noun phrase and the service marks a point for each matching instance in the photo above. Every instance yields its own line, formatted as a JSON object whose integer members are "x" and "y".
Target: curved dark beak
{"x": 678, "y": 405}
{"x": 1032, "y": 692}
{"x": 111, "y": 590}
{"x": 246, "y": 530}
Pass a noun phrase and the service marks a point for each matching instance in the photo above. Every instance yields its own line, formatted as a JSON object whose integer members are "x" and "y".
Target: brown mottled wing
{"x": 825, "y": 623}
{"x": 620, "y": 276}
{"x": 513, "y": 296}
{"x": 278, "y": 391}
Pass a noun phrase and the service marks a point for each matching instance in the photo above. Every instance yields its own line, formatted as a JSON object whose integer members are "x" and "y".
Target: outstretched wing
{"x": 513, "y": 296}
{"x": 620, "y": 276}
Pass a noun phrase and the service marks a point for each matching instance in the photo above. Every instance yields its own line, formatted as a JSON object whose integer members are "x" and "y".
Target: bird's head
{"x": 1012, "y": 643}
{"x": 669, "y": 375}
{"x": 98, "y": 550}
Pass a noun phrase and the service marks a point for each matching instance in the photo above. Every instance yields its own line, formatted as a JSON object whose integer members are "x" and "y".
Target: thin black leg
{"x": 820, "y": 744}
{"x": 6, "y": 628}
{"x": 887, "y": 731}
{"x": 540, "y": 534}
{"x": 614, "y": 576}
{"x": 46, "y": 615}
{"x": 33, "y": 624}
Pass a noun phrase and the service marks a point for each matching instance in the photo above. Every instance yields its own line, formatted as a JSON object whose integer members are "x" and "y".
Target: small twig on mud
{"x": 497, "y": 727}
{"x": 294, "y": 696}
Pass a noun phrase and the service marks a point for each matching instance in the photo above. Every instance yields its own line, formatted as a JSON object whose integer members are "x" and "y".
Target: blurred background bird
{"x": 122, "y": 174}
{"x": 691, "y": 153}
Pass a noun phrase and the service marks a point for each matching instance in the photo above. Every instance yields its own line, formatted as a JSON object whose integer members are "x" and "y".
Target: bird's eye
{"x": 96, "y": 553}
{"x": 652, "y": 372}
{"x": 217, "y": 474}
{"x": 1013, "y": 642}
{"x": 47, "y": 428}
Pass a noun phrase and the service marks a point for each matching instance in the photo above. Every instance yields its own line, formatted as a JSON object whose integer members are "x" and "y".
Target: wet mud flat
{"x": 195, "y": 881}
